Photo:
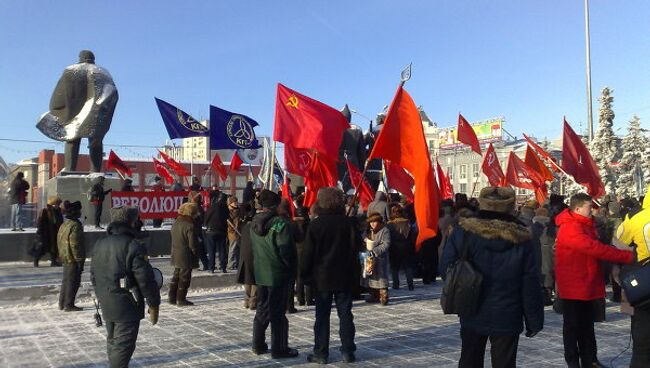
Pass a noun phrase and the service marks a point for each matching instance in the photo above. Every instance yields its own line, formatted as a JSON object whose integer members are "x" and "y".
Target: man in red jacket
{"x": 580, "y": 279}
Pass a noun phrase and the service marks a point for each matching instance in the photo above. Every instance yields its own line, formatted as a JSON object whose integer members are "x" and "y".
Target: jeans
{"x": 271, "y": 308}
{"x": 120, "y": 342}
{"x": 578, "y": 332}
{"x": 16, "y": 216}
{"x": 343, "y": 301}
{"x": 216, "y": 243}
{"x": 503, "y": 350}
{"x": 640, "y": 338}
{"x": 233, "y": 254}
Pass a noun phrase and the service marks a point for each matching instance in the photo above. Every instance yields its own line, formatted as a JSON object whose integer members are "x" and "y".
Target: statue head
{"x": 86, "y": 56}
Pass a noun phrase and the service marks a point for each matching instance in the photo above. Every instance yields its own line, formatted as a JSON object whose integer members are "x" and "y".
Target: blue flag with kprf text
{"x": 180, "y": 124}
{"x": 230, "y": 130}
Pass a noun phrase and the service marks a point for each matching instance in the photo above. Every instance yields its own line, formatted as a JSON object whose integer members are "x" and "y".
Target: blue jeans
{"x": 343, "y": 301}
{"x": 16, "y": 216}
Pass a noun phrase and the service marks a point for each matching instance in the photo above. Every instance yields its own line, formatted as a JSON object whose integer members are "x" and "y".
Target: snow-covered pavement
{"x": 411, "y": 331}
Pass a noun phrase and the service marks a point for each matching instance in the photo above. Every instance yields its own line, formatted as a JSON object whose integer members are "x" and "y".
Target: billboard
{"x": 490, "y": 130}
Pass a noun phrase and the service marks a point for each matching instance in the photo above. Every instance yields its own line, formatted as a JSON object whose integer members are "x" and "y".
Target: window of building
{"x": 449, "y": 173}
{"x": 463, "y": 188}
{"x": 430, "y": 144}
{"x": 475, "y": 170}
{"x": 463, "y": 171}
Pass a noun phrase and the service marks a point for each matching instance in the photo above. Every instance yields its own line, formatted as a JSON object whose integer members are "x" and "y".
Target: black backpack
{"x": 462, "y": 288}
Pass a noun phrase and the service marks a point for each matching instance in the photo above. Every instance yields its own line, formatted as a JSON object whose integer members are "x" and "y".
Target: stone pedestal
{"x": 75, "y": 186}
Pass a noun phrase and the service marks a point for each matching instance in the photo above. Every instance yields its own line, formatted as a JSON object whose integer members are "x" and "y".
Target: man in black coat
{"x": 18, "y": 198}
{"x": 501, "y": 249}
{"x": 328, "y": 261}
{"x": 97, "y": 196}
{"x": 123, "y": 279}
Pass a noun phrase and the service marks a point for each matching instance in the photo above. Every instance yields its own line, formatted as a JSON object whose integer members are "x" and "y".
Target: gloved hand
{"x": 153, "y": 315}
{"x": 530, "y": 333}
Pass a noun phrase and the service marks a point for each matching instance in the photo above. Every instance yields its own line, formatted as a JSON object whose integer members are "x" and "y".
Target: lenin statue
{"x": 82, "y": 106}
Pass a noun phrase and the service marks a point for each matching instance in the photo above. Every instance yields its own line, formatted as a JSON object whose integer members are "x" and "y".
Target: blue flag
{"x": 179, "y": 124}
{"x": 231, "y": 131}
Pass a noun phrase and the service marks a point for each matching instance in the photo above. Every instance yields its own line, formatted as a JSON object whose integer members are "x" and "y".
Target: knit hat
{"x": 124, "y": 214}
{"x": 268, "y": 199}
{"x": 188, "y": 209}
{"x": 497, "y": 199}
{"x": 374, "y": 217}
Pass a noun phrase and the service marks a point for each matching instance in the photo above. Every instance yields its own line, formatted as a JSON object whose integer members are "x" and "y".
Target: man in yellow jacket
{"x": 635, "y": 232}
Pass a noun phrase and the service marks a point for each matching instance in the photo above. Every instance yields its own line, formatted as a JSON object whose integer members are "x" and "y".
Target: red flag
{"x": 286, "y": 194}
{"x": 399, "y": 179}
{"x": 492, "y": 168}
{"x": 545, "y": 155}
{"x": 519, "y": 175}
{"x": 401, "y": 141}
{"x": 235, "y": 162}
{"x": 322, "y": 173}
{"x": 535, "y": 163}
{"x": 177, "y": 167}
{"x": 114, "y": 162}
{"x": 217, "y": 166}
{"x": 162, "y": 171}
{"x": 577, "y": 161}
{"x": 444, "y": 183}
{"x": 366, "y": 194}
{"x": 302, "y": 122}
{"x": 467, "y": 135}
{"x": 297, "y": 160}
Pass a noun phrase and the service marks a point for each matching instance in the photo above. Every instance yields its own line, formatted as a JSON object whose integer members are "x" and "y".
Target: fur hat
{"x": 53, "y": 200}
{"x": 73, "y": 207}
{"x": 374, "y": 217}
{"x": 268, "y": 199}
{"x": 188, "y": 209}
{"x": 125, "y": 214}
{"x": 497, "y": 199}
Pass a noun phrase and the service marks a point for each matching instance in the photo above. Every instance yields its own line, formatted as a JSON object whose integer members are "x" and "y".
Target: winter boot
{"x": 173, "y": 289}
{"x": 181, "y": 299}
{"x": 373, "y": 296}
{"x": 383, "y": 296}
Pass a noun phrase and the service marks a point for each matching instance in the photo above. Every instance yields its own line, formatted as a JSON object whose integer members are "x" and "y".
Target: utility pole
{"x": 590, "y": 116}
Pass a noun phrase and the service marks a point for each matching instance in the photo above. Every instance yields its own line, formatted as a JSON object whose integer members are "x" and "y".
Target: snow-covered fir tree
{"x": 604, "y": 148}
{"x": 633, "y": 146}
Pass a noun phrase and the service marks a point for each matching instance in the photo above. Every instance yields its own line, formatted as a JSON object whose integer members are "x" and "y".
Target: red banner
{"x": 152, "y": 205}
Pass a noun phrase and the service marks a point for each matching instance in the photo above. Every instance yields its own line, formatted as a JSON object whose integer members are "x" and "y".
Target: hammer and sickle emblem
{"x": 490, "y": 159}
{"x": 293, "y": 102}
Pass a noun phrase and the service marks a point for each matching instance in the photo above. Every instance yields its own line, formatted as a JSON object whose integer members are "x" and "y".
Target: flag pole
{"x": 475, "y": 183}
{"x": 272, "y": 168}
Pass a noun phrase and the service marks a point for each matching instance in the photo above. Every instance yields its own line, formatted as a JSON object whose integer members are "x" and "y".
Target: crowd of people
{"x": 560, "y": 253}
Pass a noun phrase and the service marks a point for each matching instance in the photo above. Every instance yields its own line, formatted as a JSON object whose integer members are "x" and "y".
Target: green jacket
{"x": 70, "y": 240}
{"x": 274, "y": 250}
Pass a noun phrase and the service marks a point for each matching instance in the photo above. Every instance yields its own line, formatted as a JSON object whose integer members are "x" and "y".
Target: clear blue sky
{"x": 521, "y": 59}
